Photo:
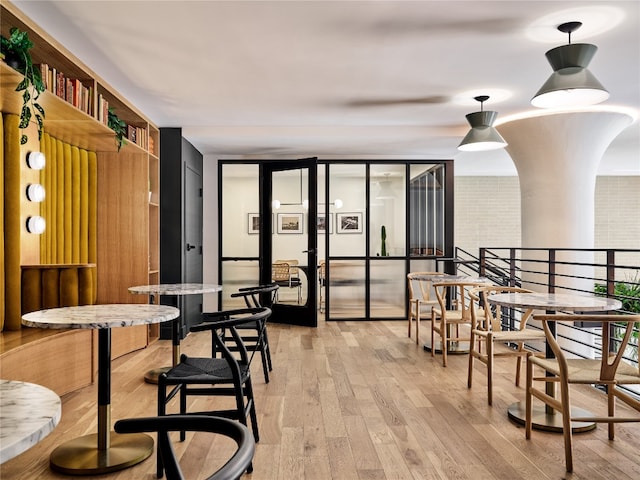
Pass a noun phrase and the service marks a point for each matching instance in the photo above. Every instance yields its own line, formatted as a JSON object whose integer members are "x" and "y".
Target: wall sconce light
{"x": 571, "y": 84}
{"x": 36, "y": 224}
{"x": 337, "y": 203}
{"x": 35, "y": 192}
{"x": 36, "y": 160}
{"x": 275, "y": 204}
{"x": 482, "y": 135}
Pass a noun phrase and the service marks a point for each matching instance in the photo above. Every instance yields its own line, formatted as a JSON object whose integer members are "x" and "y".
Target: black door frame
{"x": 307, "y": 314}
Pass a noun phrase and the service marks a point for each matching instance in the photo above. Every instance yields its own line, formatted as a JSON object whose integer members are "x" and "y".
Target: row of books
{"x": 70, "y": 89}
{"x": 137, "y": 135}
{"x": 73, "y": 91}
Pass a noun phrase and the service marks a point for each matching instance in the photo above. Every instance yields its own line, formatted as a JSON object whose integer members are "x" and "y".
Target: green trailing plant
{"x": 383, "y": 236}
{"x": 16, "y": 51}
{"x": 629, "y": 295}
{"x": 118, "y": 126}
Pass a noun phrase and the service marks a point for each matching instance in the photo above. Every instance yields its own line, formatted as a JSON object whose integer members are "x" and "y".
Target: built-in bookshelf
{"x": 76, "y": 102}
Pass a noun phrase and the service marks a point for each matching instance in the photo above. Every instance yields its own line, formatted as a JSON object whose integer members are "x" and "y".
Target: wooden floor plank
{"x": 356, "y": 400}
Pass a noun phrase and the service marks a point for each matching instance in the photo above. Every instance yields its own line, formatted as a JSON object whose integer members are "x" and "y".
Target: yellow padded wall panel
{"x": 67, "y": 211}
{"x": 85, "y": 286}
{"x": 2, "y": 284}
{"x": 84, "y": 206}
{"x": 68, "y": 287}
{"x": 12, "y": 224}
{"x": 31, "y": 290}
{"x": 93, "y": 219}
{"x": 59, "y": 193}
{"x": 50, "y": 288}
{"x": 45, "y": 211}
{"x": 74, "y": 207}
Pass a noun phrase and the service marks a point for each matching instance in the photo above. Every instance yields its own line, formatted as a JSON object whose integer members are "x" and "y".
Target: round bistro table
{"x": 104, "y": 451}
{"x": 546, "y": 418}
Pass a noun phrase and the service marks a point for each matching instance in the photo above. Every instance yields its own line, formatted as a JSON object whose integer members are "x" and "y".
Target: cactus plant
{"x": 383, "y": 235}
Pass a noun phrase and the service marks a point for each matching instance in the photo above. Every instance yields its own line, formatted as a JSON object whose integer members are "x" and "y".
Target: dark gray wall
{"x": 180, "y": 160}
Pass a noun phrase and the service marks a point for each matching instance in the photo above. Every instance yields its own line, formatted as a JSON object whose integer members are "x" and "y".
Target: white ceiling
{"x": 288, "y": 79}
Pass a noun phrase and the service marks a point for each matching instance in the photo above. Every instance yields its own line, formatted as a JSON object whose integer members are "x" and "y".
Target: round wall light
{"x": 36, "y": 224}
{"x": 36, "y": 160}
{"x": 35, "y": 192}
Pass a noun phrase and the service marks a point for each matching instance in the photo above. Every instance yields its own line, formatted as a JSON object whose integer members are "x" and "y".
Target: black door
{"x": 289, "y": 243}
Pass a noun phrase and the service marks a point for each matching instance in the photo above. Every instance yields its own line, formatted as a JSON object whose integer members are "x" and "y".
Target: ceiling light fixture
{"x": 571, "y": 83}
{"x": 482, "y": 135}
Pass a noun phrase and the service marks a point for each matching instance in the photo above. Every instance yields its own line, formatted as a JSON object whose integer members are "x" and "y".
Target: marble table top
{"x": 459, "y": 279}
{"x": 28, "y": 413}
{"x": 100, "y": 316}
{"x": 555, "y": 301}
{"x": 176, "y": 289}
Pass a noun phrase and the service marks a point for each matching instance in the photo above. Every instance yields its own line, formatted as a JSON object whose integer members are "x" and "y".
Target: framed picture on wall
{"x": 254, "y": 223}
{"x": 349, "y": 222}
{"x": 290, "y": 223}
{"x": 325, "y": 223}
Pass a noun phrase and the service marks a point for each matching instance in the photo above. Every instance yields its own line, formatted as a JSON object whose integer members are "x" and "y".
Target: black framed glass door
{"x": 288, "y": 245}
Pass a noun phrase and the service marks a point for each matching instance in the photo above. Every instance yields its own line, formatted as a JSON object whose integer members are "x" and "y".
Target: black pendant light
{"x": 482, "y": 135}
{"x": 571, "y": 84}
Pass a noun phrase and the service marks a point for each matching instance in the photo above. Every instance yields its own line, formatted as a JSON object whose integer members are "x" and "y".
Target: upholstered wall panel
{"x": 93, "y": 218}
{"x": 2, "y": 294}
{"x": 84, "y": 207}
{"x": 75, "y": 205}
{"x": 58, "y": 195}
{"x": 67, "y": 211}
{"x": 12, "y": 225}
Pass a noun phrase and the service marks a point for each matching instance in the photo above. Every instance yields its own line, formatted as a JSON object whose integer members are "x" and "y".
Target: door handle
{"x": 190, "y": 247}
{"x": 312, "y": 250}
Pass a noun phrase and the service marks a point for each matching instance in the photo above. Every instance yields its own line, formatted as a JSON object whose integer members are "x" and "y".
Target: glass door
{"x": 288, "y": 249}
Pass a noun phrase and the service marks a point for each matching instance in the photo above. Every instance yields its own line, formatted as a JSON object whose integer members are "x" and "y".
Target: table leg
{"x": 546, "y": 418}
{"x": 152, "y": 375}
{"x": 104, "y": 451}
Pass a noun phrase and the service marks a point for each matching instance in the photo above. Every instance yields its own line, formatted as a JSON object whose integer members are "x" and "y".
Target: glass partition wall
{"x": 376, "y": 222}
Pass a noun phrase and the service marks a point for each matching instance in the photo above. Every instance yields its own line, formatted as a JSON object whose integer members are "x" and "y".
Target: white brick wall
{"x": 487, "y": 212}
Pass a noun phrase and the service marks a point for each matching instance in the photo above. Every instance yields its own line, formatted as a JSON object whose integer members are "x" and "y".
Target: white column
{"x": 557, "y": 155}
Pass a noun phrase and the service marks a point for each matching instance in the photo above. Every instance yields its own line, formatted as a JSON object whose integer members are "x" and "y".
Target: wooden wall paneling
{"x": 123, "y": 233}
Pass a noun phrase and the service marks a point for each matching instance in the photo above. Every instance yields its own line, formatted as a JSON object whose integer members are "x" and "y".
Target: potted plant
{"x": 118, "y": 126}
{"x": 16, "y": 51}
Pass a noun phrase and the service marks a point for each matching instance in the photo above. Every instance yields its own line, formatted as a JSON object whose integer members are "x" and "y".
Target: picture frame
{"x": 349, "y": 222}
{"x": 323, "y": 221}
{"x": 290, "y": 223}
{"x": 253, "y": 223}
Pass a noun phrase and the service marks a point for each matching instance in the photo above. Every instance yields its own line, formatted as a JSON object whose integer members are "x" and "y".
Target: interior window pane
{"x": 426, "y": 193}
{"x": 387, "y": 210}
{"x": 388, "y": 287}
{"x": 235, "y": 275}
{"x": 346, "y": 282}
{"x": 347, "y": 203}
{"x": 240, "y": 207}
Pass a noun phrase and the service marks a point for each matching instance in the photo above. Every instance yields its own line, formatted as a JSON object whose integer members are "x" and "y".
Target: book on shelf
{"x": 71, "y": 90}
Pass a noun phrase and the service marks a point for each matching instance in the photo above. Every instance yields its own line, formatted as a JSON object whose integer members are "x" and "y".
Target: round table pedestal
{"x": 81, "y": 455}
{"x": 455, "y": 347}
{"x": 550, "y": 422}
{"x": 152, "y": 375}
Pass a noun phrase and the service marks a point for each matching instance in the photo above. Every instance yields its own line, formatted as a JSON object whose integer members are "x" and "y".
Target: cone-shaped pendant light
{"x": 482, "y": 135}
{"x": 571, "y": 84}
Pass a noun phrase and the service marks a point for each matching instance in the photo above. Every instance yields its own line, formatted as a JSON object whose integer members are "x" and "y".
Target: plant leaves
{"x": 25, "y": 117}
{"x": 22, "y": 85}
{"x": 39, "y": 109}
{"x": 23, "y": 139}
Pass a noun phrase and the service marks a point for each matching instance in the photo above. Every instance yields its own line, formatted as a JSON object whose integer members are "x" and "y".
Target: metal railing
{"x": 614, "y": 273}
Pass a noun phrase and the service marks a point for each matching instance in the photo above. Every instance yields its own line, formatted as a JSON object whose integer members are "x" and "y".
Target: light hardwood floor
{"x": 356, "y": 400}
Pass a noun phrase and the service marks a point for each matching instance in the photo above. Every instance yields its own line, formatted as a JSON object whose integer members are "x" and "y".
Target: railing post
{"x": 512, "y": 267}
{"x": 552, "y": 270}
